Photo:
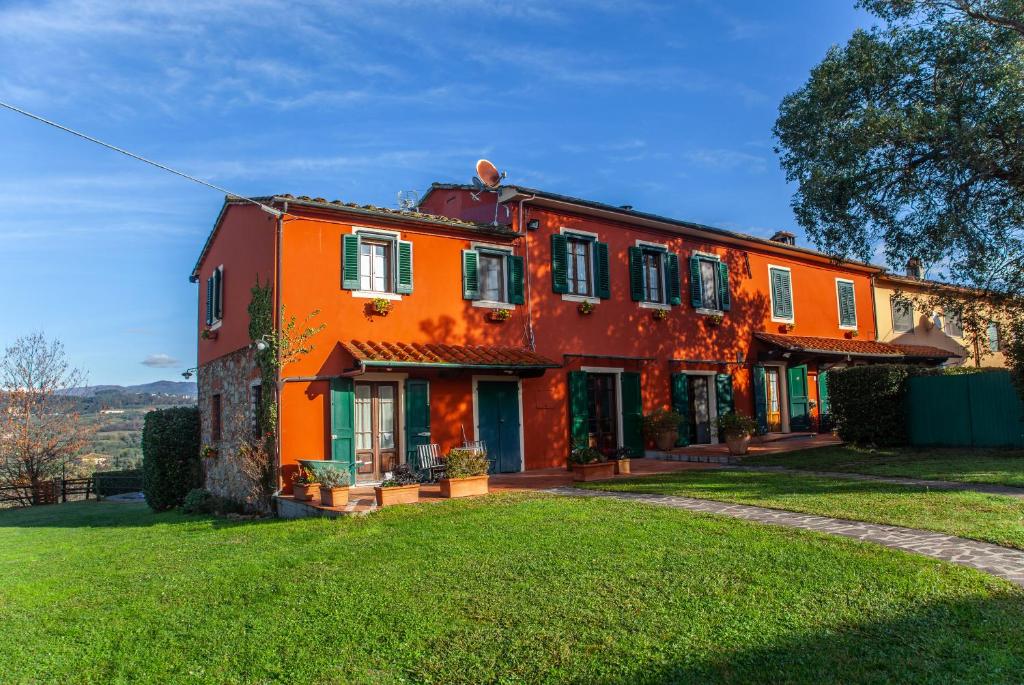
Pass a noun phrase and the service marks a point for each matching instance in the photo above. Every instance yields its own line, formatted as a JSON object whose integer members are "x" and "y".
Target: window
{"x": 937, "y": 321}
{"x": 902, "y": 315}
{"x": 374, "y": 266}
{"x": 256, "y": 396}
{"x": 579, "y": 271}
{"x": 954, "y": 327}
{"x": 847, "y": 304}
{"x": 215, "y": 296}
{"x": 654, "y": 290}
{"x": 993, "y": 336}
{"x": 709, "y": 284}
{"x": 781, "y": 293}
{"x": 492, "y": 277}
{"x": 215, "y": 422}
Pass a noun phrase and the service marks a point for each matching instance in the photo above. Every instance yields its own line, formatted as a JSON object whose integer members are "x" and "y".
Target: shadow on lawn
{"x": 93, "y": 514}
{"x": 945, "y": 641}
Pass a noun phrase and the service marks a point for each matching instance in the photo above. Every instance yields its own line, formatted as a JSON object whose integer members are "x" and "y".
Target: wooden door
{"x": 499, "y": 425}
{"x": 376, "y": 429}
{"x": 602, "y": 412}
{"x": 773, "y": 399}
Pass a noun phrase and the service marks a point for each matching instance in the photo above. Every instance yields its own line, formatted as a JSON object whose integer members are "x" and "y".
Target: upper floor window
{"x": 709, "y": 283}
{"x": 954, "y": 326}
{"x": 902, "y": 315}
{"x": 376, "y": 262}
{"x": 579, "y": 265}
{"x": 492, "y": 275}
{"x": 654, "y": 279}
{"x": 781, "y": 293}
{"x": 654, "y": 275}
{"x": 847, "y": 303}
{"x": 215, "y": 297}
{"x": 993, "y": 336}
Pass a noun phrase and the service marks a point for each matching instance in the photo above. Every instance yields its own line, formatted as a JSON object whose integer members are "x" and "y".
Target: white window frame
{"x": 711, "y": 257}
{"x": 493, "y": 304}
{"x": 663, "y": 248}
{"x": 839, "y": 307}
{"x": 771, "y": 294}
{"x": 592, "y": 298}
{"x": 395, "y": 236}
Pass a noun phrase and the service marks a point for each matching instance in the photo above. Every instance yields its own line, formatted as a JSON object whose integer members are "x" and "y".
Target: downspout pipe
{"x": 530, "y": 340}
{"x": 277, "y": 328}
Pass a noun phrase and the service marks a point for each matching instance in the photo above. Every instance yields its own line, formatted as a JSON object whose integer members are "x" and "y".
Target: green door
{"x": 824, "y": 416}
{"x": 760, "y": 399}
{"x": 417, "y": 417}
{"x": 799, "y": 407}
{"x": 632, "y": 414}
{"x": 342, "y": 424}
{"x": 498, "y": 427}
{"x": 681, "y": 404}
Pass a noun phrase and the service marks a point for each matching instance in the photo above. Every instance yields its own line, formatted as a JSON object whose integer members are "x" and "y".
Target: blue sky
{"x": 665, "y": 106}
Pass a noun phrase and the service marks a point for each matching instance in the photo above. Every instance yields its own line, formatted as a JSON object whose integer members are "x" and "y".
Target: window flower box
{"x": 499, "y": 315}
{"x": 714, "y": 320}
{"x": 787, "y": 327}
{"x": 660, "y": 314}
{"x": 586, "y": 308}
{"x": 852, "y": 334}
{"x": 380, "y": 306}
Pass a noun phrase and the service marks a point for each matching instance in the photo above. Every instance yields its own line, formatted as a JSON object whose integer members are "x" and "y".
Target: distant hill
{"x": 176, "y": 388}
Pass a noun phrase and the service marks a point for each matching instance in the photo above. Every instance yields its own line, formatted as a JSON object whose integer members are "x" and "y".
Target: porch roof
{"x": 398, "y": 354}
{"x": 852, "y": 347}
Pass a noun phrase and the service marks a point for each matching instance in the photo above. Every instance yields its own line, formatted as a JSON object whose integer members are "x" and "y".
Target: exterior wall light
{"x": 533, "y": 224}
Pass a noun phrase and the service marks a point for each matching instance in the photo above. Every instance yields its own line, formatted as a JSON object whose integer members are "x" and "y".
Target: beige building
{"x": 903, "y": 320}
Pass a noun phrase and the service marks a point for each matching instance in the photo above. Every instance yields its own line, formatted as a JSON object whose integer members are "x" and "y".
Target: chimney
{"x": 784, "y": 237}
{"x": 628, "y": 208}
{"x": 914, "y": 268}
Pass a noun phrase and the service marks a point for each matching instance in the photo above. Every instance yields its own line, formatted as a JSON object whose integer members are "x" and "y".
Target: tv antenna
{"x": 408, "y": 200}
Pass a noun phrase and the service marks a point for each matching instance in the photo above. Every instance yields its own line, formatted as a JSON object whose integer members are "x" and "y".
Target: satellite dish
{"x": 488, "y": 174}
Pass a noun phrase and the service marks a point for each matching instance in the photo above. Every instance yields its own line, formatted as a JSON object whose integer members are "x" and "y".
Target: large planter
{"x": 464, "y": 487}
{"x": 666, "y": 441}
{"x": 597, "y": 470}
{"x": 334, "y": 497}
{"x": 399, "y": 494}
{"x": 303, "y": 492}
{"x": 738, "y": 444}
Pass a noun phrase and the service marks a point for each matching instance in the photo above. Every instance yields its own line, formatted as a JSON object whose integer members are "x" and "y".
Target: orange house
{"x": 528, "y": 320}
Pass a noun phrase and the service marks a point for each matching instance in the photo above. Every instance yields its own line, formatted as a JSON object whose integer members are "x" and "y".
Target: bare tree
{"x": 40, "y": 426}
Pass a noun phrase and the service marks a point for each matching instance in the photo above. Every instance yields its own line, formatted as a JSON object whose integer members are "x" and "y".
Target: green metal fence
{"x": 971, "y": 410}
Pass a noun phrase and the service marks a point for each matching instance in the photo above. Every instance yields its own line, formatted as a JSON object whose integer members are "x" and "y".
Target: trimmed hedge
{"x": 171, "y": 465}
{"x": 109, "y": 483}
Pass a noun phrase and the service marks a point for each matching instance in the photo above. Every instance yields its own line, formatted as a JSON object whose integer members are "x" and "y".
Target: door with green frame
{"x": 799, "y": 399}
{"x": 598, "y": 403}
{"x": 499, "y": 425}
{"x": 692, "y": 398}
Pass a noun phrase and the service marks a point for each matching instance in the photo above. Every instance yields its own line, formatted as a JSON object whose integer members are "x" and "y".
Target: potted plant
{"x": 588, "y": 464}
{"x": 499, "y": 315}
{"x": 401, "y": 487}
{"x": 585, "y": 308}
{"x": 209, "y": 452}
{"x": 621, "y": 460}
{"x": 381, "y": 306}
{"x": 465, "y": 473}
{"x": 662, "y": 426}
{"x": 737, "y": 429}
{"x": 714, "y": 320}
{"x": 660, "y": 314}
{"x": 304, "y": 484}
{"x": 787, "y": 327}
{"x": 852, "y": 334}
{"x": 333, "y": 487}
{"x": 209, "y": 334}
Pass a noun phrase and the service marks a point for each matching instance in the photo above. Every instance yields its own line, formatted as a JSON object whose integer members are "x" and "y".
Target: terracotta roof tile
{"x": 406, "y": 213}
{"x": 863, "y": 348}
{"x": 438, "y": 354}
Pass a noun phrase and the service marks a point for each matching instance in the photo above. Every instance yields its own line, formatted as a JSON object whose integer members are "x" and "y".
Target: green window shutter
{"x": 350, "y": 261}
{"x": 760, "y": 400}
{"x": 218, "y": 294}
{"x": 343, "y": 445}
{"x": 724, "y": 298}
{"x": 681, "y": 404}
{"x": 579, "y": 431}
{"x": 632, "y": 413}
{"x": 209, "y": 300}
{"x": 672, "y": 278}
{"x": 723, "y": 394}
{"x": 514, "y": 274}
{"x": 403, "y": 274}
{"x": 636, "y": 274}
{"x": 782, "y": 294}
{"x": 696, "y": 290}
{"x": 602, "y": 279}
{"x": 470, "y": 275}
{"x": 559, "y": 263}
{"x": 847, "y": 304}
{"x": 417, "y": 417}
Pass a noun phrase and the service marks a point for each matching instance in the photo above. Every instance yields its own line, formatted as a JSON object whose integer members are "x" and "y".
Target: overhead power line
{"x": 139, "y": 158}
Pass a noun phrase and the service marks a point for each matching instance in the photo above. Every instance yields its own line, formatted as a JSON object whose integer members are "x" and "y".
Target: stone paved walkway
{"x": 993, "y": 559}
{"x": 988, "y": 489}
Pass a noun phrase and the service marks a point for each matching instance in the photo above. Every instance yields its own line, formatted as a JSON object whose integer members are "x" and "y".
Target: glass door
{"x": 603, "y": 412}
{"x": 376, "y": 430}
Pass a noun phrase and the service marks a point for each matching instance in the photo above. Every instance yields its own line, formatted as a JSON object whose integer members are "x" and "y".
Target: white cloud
{"x": 726, "y": 160}
{"x": 160, "y": 361}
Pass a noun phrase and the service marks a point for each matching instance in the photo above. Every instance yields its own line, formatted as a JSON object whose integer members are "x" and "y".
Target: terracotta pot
{"x": 334, "y": 497}
{"x": 597, "y": 470}
{"x": 304, "y": 492}
{"x": 464, "y": 487}
{"x": 667, "y": 440}
{"x": 621, "y": 466}
{"x": 738, "y": 444}
{"x": 400, "y": 494}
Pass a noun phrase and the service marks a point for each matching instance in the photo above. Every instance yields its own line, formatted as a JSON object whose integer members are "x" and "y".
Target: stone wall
{"x": 231, "y": 473}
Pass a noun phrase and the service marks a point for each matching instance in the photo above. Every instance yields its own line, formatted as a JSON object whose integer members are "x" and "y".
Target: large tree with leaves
{"x": 911, "y": 138}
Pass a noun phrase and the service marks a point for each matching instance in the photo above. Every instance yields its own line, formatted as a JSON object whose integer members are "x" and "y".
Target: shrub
{"x": 401, "y": 475}
{"x": 170, "y": 456}
{"x": 868, "y": 403}
{"x": 585, "y": 454}
{"x": 333, "y": 478}
{"x": 736, "y": 424}
{"x": 464, "y": 462}
{"x": 200, "y": 501}
{"x": 661, "y": 421}
{"x": 110, "y": 483}
{"x": 305, "y": 476}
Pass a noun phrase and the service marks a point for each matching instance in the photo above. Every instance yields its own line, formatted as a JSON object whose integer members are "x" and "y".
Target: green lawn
{"x": 1001, "y": 467}
{"x": 511, "y": 588}
{"x": 992, "y": 518}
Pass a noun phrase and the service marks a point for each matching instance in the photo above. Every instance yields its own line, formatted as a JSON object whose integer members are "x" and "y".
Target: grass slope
{"x": 1001, "y": 467}
{"x": 506, "y": 589}
{"x": 991, "y": 518}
